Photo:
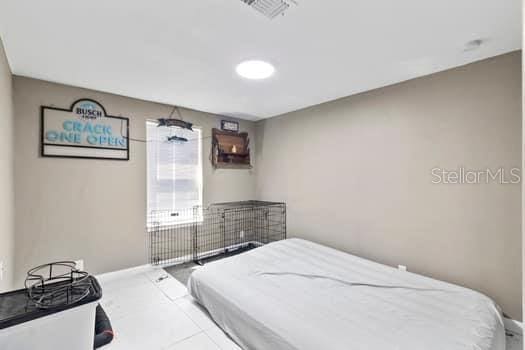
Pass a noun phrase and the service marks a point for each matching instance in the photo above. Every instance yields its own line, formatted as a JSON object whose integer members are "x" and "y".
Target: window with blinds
{"x": 174, "y": 174}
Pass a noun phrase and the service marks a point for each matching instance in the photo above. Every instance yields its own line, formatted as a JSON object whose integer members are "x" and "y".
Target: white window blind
{"x": 174, "y": 174}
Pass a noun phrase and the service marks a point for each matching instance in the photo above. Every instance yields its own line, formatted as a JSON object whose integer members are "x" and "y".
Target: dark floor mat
{"x": 182, "y": 272}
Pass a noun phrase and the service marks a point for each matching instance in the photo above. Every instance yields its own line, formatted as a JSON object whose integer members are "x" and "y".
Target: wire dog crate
{"x": 198, "y": 233}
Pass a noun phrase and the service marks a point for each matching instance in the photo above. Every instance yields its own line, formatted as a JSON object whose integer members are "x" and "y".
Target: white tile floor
{"x": 150, "y": 310}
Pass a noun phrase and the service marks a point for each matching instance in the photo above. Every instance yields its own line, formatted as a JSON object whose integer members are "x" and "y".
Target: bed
{"x": 296, "y": 294}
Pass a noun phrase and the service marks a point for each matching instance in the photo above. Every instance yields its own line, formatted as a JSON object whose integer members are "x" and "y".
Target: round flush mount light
{"x": 255, "y": 69}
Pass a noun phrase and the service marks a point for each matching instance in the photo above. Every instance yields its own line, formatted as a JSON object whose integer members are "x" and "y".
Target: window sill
{"x": 178, "y": 224}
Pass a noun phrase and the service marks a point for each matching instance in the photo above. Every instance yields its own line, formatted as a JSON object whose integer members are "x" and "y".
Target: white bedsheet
{"x": 295, "y": 294}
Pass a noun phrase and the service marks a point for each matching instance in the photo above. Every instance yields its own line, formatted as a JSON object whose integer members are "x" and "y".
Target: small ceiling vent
{"x": 270, "y": 8}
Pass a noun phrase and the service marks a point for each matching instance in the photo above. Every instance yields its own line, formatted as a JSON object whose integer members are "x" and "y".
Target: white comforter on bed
{"x": 296, "y": 294}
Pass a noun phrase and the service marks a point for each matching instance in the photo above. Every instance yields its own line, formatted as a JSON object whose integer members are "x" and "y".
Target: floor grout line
{"x": 212, "y": 340}
{"x": 189, "y": 337}
{"x": 173, "y": 301}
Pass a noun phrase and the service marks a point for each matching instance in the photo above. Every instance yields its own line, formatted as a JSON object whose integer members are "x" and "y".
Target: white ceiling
{"x": 185, "y": 52}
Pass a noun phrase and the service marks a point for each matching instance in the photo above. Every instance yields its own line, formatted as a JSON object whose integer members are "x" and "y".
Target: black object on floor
{"x": 182, "y": 272}
{"x": 228, "y": 252}
{"x": 103, "y": 330}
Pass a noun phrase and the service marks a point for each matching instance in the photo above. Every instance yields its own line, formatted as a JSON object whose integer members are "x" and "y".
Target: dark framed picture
{"x": 228, "y": 125}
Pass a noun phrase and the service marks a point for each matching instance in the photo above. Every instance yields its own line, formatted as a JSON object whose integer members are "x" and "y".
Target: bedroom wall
{"x": 6, "y": 173}
{"x": 523, "y": 167}
{"x": 95, "y": 209}
{"x": 356, "y": 175}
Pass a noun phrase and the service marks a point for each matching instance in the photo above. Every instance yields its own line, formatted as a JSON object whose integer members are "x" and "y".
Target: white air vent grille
{"x": 269, "y": 8}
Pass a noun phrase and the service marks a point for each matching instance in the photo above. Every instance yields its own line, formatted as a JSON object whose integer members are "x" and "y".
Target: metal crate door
{"x": 238, "y": 226}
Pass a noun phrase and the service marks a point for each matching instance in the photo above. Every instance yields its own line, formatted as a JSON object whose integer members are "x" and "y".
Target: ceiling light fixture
{"x": 255, "y": 69}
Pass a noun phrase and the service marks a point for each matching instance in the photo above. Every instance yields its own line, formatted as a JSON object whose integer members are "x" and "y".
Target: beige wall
{"x": 6, "y": 172}
{"x": 95, "y": 209}
{"x": 356, "y": 175}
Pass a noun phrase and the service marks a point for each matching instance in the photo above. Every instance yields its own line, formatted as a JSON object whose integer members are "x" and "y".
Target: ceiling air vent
{"x": 269, "y": 8}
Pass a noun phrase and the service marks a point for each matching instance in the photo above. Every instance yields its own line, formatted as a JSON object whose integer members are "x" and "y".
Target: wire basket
{"x": 57, "y": 284}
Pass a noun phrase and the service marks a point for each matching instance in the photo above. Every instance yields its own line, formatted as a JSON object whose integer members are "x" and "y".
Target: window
{"x": 174, "y": 175}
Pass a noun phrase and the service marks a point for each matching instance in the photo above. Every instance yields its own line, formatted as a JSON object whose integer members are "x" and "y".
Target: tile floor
{"x": 151, "y": 310}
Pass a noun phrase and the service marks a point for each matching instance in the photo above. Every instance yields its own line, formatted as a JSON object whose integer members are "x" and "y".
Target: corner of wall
{"x": 523, "y": 167}
{"x": 6, "y": 172}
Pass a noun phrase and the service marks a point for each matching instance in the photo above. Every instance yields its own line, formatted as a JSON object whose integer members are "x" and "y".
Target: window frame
{"x": 199, "y": 180}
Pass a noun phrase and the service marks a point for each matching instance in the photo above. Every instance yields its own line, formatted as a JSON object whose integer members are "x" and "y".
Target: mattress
{"x": 296, "y": 294}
